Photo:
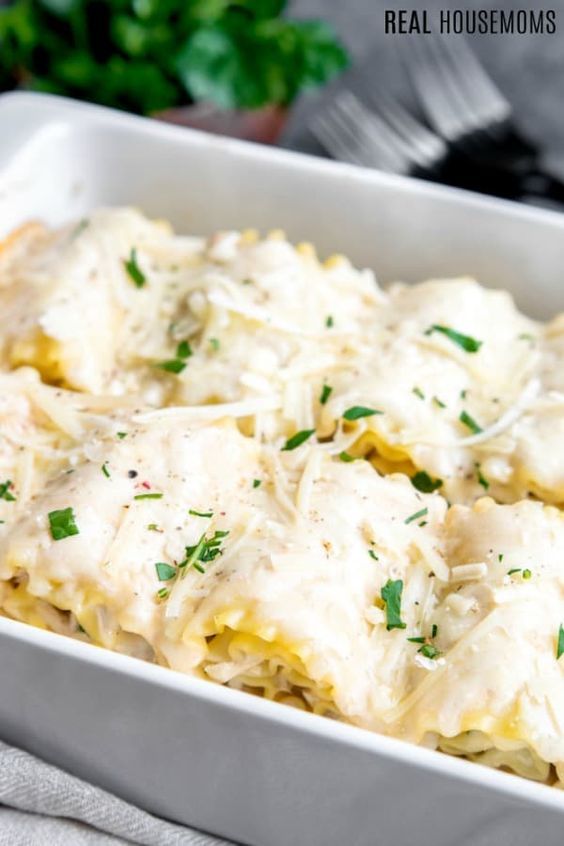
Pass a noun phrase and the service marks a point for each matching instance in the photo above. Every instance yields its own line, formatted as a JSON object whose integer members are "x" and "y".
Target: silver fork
{"x": 457, "y": 95}
{"x": 387, "y": 137}
{"x": 465, "y": 107}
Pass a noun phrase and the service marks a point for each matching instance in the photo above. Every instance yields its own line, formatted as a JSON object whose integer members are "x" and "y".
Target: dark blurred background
{"x": 528, "y": 68}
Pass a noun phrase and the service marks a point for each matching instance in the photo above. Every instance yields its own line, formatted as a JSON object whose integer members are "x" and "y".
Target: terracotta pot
{"x": 263, "y": 125}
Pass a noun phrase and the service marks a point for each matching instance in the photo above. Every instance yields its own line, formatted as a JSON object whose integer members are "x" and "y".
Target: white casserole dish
{"x": 248, "y": 769}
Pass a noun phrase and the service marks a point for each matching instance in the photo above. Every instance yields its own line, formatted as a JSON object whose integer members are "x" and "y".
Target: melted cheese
{"x": 287, "y": 601}
{"x": 500, "y": 676}
{"x": 315, "y": 619}
{"x": 270, "y": 323}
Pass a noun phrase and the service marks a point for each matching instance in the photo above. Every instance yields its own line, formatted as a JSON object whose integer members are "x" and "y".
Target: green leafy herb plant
{"x": 146, "y": 56}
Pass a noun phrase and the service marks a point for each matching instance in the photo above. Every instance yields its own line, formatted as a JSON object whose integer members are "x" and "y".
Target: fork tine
{"x": 352, "y": 146}
{"x": 456, "y": 92}
{"x": 374, "y": 131}
{"x": 455, "y": 80}
{"x": 429, "y": 147}
{"x": 348, "y": 130}
{"x": 336, "y": 124}
{"x": 480, "y": 89}
{"x": 435, "y": 89}
{"x": 371, "y": 152}
{"x": 337, "y": 137}
{"x": 331, "y": 137}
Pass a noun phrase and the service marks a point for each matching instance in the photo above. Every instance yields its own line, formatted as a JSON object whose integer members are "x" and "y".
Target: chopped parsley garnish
{"x": 105, "y": 470}
{"x": 470, "y": 422}
{"x": 214, "y": 344}
{"x": 465, "y": 342}
{"x": 525, "y": 336}
{"x": 427, "y": 648}
{"x": 429, "y": 651}
{"x": 195, "y": 513}
{"x": 257, "y": 483}
{"x": 152, "y": 527}
{"x": 424, "y": 483}
{"x": 163, "y": 593}
{"x": 391, "y": 594}
{"x": 481, "y": 478}
{"x": 62, "y": 524}
{"x": 439, "y": 402}
{"x": 173, "y": 365}
{"x": 207, "y": 549}
{"x": 121, "y": 435}
{"x": 418, "y": 393}
{"x": 358, "y": 411}
{"x": 133, "y": 270}
{"x": 326, "y": 392}
{"x": 297, "y": 440}
{"x": 5, "y": 491}
{"x": 329, "y": 322}
{"x": 500, "y": 557}
{"x": 149, "y": 496}
{"x": 526, "y": 574}
{"x": 346, "y": 457}
{"x": 177, "y": 365}
{"x": 183, "y": 350}
{"x": 463, "y": 394}
{"x": 416, "y": 516}
{"x": 373, "y": 555}
{"x": 165, "y": 572}
{"x": 560, "y": 647}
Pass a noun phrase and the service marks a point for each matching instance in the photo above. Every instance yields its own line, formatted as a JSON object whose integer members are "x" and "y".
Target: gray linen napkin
{"x": 41, "y": 805}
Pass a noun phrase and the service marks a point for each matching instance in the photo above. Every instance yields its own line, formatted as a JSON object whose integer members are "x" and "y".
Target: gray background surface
{"x": 529, "y": 69}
